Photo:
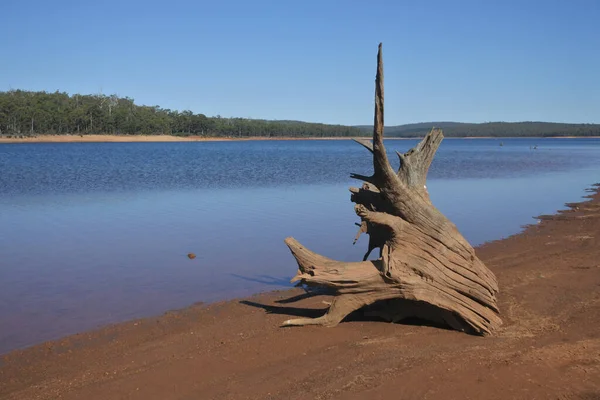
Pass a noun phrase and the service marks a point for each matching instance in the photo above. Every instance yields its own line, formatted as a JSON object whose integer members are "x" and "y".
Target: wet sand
{"x": 147, "y": 138}
{"x": 548, "y": 347}
{"x": 168, "y": 138}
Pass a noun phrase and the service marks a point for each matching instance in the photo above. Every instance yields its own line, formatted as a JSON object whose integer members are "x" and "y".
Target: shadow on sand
{"x": 356, "y": 316}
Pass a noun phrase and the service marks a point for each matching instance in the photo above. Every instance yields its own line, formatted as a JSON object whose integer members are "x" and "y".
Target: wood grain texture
{"x": 426, "y": 268}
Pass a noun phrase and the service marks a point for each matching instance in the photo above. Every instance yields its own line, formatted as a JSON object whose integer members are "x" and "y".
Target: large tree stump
{"x": 426, "y": 268}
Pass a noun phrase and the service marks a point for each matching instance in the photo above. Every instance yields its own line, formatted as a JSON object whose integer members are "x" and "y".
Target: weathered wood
{"x": 426, "y": 267}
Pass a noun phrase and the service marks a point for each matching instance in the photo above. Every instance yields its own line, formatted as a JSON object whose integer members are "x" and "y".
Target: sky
{"x": 465, "y": 61}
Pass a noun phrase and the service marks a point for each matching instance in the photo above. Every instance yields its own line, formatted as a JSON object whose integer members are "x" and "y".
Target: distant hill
{"x": 492, "y": 129}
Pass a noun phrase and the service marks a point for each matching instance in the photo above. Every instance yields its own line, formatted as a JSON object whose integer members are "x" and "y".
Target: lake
{"x": 95, "y": 233}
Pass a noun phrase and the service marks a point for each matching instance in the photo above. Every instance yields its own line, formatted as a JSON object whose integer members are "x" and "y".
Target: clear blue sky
{"x": 470, "y": 61}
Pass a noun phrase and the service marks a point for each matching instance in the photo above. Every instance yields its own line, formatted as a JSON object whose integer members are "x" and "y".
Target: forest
{"x": 28, "y": 113}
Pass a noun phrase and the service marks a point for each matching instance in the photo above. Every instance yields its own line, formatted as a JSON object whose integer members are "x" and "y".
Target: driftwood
{"x": 426, "y": 269}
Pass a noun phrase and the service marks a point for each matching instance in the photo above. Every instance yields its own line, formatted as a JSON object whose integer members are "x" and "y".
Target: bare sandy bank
{"x": 168, "y": 138}
{"x": 145, "y": 138}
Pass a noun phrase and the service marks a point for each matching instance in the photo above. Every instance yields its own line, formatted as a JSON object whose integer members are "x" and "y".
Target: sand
{"x": 145, "y": 138}
{"x": 548, "y": 347}
{"x": 168, "y": 138}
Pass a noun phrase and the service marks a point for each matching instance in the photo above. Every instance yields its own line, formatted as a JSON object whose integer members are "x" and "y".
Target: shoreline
{"x": 549, "y": 345}
{"x": 170, "y": 138}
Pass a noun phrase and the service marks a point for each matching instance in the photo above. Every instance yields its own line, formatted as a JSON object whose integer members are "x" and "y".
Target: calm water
{"x": 92, "y": 233}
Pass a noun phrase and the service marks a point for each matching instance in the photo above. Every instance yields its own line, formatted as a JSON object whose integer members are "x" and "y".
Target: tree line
{"x": 28, "y": 113}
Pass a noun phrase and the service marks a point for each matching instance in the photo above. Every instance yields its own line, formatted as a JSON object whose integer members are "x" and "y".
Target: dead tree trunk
{"x": 426, "y": 268}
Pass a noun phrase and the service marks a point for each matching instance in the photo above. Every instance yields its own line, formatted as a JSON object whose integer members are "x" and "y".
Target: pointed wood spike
{"x": 378, "y": 121}
{"x": 366, "y": 143}
{"x": 384, "y": 175}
